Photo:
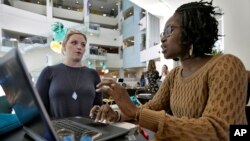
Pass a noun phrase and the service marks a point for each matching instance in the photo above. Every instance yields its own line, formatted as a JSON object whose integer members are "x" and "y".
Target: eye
{"x": 169, "y": 30}
{"x": 83, "y": 45}
{"x": 74, "y": 42}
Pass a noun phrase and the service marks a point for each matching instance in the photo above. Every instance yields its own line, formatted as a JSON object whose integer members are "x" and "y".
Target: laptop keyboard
{"x": 72, "y": 126}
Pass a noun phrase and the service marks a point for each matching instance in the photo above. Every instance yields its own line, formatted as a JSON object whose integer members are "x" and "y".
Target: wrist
{"x": 137, "y": 114}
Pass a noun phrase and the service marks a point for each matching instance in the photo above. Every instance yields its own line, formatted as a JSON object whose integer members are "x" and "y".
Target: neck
{"x": 72, "y": 63}
{"x": 190, "y": 63}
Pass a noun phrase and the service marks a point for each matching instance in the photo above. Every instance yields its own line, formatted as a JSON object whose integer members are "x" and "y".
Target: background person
{"x": 68, "y": 89}
{"x": 153, "y": 76}
{"x": 199, "y": 99}
{"x": 164, "y": 72}
{"x": 142, "y": 80}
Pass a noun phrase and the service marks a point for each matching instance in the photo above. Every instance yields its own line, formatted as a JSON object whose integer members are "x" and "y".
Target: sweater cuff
{"x": 150, "y": 119}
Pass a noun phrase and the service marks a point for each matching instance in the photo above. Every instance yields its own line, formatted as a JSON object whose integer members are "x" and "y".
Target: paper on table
{"x": 125, "y": 125}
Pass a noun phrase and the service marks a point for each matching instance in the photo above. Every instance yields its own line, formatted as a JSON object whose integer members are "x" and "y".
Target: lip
{"x": 164, "y": 48}
{"x": 79, "y": 53}
{"x": 164, "y": 51}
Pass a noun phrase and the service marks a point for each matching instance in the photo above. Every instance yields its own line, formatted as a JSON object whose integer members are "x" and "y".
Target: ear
{"x": 63, "y": 50}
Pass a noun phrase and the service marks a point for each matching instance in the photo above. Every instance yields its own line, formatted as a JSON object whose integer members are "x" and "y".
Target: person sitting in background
{"x": 199, "y": 99}
{"x": 68, "y": 89}
{"x": 164, "y": 72}
{"x": 142, "y": 80}
{"x": 152, "y": 75}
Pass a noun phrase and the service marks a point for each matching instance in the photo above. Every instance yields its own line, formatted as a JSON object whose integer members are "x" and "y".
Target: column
{"x": 1, "y": 37}
{"x": 121, "y": 73}
{"x": 147, "y": 31}
{"x": 120, "y": 16}
{"x": 49, "y": 60}
{"x": 86, "y": 11}
{"x": 49, "y": 14}
{"x": 93, "y": 64}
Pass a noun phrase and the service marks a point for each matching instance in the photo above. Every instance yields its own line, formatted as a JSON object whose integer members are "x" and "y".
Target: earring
{"x": 191, "y": 50}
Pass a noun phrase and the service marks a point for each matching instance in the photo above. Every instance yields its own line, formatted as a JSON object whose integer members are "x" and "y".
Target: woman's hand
{"x": 110, "y": 87}
{"x": 103, "y": 114}
{"x": 119, "y": 94}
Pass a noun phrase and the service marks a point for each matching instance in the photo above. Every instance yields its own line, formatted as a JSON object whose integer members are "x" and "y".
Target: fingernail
{"x": 104, "y": 121}
{"x": 97, "y": 90}
{"x": 96, "y": 120}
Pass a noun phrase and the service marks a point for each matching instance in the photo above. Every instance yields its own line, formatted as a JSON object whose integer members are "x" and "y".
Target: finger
{"x": 93, "y": 111}
{"x": 98, "y": 114}
{"x": 112, "y": 115}
{"x": 104, "y": 89}
{"x": 104, "y": 113}
{"x": 113, "y": 85}
{"x": 106, "y": 82}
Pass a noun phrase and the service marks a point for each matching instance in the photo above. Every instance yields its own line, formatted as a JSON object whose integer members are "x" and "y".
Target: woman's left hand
{"x": 103, "y": 114}
{"x": 119, "y": 94}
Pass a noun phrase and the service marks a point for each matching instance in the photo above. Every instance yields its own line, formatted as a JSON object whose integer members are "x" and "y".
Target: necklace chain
{"x": 70, "y": 80}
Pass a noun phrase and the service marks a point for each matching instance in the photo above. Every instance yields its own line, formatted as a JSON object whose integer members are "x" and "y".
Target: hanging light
{"x": 58, "y": 35}
{"x": 56, "y": 47}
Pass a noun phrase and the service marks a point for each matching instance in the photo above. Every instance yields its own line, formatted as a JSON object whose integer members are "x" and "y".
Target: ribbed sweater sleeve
{"x": 203, "y": 105}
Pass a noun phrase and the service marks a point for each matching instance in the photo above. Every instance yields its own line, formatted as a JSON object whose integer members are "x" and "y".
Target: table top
{"x": 20, "y": 135}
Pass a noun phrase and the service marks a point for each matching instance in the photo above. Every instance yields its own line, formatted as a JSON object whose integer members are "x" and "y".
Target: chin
{"x": 78, "y": 59}
{"x": 166, "y": 56}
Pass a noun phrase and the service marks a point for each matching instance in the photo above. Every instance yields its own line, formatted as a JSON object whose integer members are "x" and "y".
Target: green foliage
{"x": 216, "y": 52}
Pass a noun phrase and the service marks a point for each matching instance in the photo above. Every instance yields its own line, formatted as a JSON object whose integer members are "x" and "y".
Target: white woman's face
{"x": 75, "y": 47}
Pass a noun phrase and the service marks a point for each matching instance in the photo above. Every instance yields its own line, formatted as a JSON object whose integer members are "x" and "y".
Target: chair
{"x": 4, "y": 105}
{"x": 8, "y": 121}
{"x": 247, "y": 108}
{"x": 248, "y": 103}
{"x": 143, "y": 95}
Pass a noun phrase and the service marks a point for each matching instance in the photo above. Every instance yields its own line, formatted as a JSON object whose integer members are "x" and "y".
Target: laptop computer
{"x": 25, "y": 100}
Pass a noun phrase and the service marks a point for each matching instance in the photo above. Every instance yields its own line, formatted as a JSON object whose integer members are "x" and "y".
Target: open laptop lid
{"x": 22, "y": 95}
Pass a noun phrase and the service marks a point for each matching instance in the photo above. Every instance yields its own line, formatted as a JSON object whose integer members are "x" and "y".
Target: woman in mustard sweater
{"x": 199, "y": 99}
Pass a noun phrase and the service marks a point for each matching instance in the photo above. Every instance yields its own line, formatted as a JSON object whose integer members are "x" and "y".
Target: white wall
{"x": 114, "y": 61}
{"x": 35, "y": 24}
{"x": 104, "y": 20}
{"x": 35, "y": 8}
{"x": 22, "y": 21}
{"x": 65, "y": 13}
{"x": 107, "y": 37}
{"x": 150, "y": 53}
{"x": 236, "y": 28}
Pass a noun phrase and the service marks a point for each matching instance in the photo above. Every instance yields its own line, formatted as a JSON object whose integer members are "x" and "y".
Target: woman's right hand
{"x": 103, "y": 114}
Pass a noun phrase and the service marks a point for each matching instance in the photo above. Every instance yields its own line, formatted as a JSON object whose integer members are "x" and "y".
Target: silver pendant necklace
{"x": 74, "y": 87}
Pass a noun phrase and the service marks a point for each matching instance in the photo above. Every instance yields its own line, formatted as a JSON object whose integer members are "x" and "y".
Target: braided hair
{"x": 199, "y": 26}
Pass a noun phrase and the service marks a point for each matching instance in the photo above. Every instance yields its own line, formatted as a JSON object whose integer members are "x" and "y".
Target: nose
{"x": 163, "y": 39}
{"x": 78, "y": 46}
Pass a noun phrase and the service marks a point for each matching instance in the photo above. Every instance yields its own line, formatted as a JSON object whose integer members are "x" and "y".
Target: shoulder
{"x": 91, "y": 71}
{"x": 156, "y": 72}
{"x": 228, "y": 60}
{"x": 48, "y": 70}
{"x": 227, "y": 65}
{"x": 173, "y": 73}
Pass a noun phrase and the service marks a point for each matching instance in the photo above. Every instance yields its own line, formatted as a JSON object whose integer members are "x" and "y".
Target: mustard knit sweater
{"x": 203, "y": 104}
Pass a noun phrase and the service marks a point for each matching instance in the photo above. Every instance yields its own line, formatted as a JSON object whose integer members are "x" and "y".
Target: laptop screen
{"x": 20, "y": 92}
